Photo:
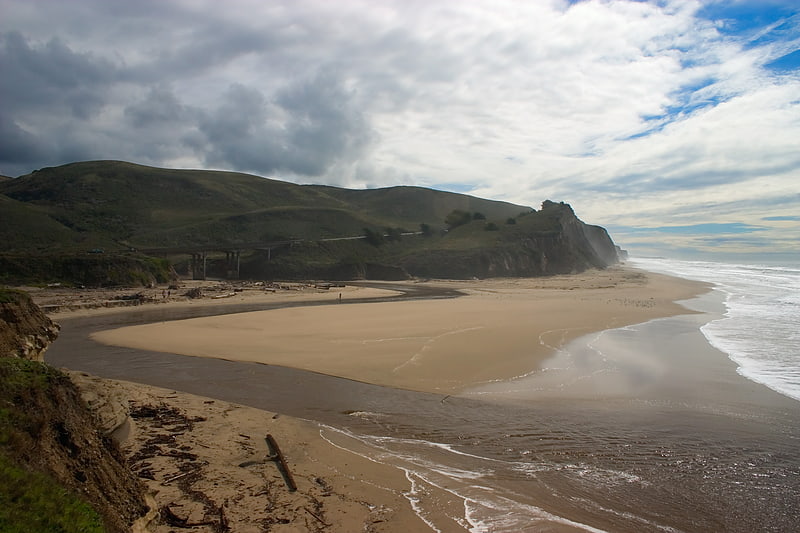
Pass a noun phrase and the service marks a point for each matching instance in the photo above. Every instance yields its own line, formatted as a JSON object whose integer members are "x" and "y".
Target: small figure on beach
{"x": 340, "y": 297}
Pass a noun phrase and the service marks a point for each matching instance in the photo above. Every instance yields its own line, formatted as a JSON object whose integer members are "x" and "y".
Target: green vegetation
{"x": 21, "y": 379}
{"x": 115, "y": 206}
{"x": 29, "y": 500}
{"x": 91, "y": 270}
{"x": 54, "y": 221}
{"x": 456, "y": 218}
{"x": 9, "y": 295}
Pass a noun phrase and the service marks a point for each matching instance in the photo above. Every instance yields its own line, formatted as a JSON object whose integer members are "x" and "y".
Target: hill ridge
{"x": 119, "y": 207}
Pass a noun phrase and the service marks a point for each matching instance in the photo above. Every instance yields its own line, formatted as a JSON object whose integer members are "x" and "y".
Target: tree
{"x": 478, "y": 216}
{"x": 425, "y": 229}
{"x": 394, "y": 234}
{"x": 491, "y": 226}
{"x": 511, "y": 220}
{"x": 375, "y": 238}
{"x": 456, "y": 218}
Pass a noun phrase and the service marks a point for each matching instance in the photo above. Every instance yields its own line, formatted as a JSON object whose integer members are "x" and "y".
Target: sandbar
{"x": 500, "y": 329}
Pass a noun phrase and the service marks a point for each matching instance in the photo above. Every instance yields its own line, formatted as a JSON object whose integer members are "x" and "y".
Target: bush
{"x": 375, "y": 238}
{"x": 456, "y": 218}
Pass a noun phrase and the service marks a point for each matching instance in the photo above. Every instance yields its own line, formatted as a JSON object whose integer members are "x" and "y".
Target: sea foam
{"x": 760, "y": 328}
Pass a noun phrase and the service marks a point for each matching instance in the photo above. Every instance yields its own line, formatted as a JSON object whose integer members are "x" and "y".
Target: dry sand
{"x": 203, "y": 458}
{"x": 500, "y": 330}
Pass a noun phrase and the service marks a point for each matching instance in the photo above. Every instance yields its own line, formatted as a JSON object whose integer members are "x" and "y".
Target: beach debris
{"x": 226, "y": 295}
{"x": 276, "y": 455}
{"x": 181, "y": 475}
{"x": 194, "y": 293}
{"x": 173, "y": 520}
{"x": 321, "y": 521}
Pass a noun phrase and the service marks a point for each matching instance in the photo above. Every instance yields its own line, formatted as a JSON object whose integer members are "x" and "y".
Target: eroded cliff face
{"x": 569, "y": 246}
{"x": 46, "y": 426}
{"x": 25, "y": 331}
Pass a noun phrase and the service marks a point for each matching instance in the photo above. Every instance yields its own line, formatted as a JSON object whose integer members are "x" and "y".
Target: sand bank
{"x": 501, "y": 329}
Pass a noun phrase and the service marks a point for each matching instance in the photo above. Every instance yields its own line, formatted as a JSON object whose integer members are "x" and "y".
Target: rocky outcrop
{"x": 563, "y": 245}
{"x": 25, "y": 331}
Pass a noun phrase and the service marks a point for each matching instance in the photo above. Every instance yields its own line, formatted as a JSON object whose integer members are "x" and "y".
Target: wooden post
{"x": 275, "y": 452}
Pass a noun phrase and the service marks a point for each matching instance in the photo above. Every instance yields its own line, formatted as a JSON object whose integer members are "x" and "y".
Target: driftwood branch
{"x": 276, "y": 455}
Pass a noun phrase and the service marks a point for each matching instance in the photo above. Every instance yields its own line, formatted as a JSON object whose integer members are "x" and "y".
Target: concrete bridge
{"x": 199, "y": 254}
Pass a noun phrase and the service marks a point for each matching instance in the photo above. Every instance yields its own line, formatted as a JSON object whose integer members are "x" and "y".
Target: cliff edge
{"x": 25, "y": 331}
{"x": 53, "y": 458}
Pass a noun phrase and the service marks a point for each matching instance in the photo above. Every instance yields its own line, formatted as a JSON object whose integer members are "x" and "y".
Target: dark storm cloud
{"x": 160, "y": 108}
{"x": 17, "y": 146}
{"x": 51, "y": 76}
{"x": 305, "y": 129}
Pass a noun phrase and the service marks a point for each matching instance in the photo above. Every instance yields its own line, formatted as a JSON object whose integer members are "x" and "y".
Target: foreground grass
{"x": 32, "y": 501}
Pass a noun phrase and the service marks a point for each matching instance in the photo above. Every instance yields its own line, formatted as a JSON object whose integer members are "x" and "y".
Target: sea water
{"x": 760, "y": 329}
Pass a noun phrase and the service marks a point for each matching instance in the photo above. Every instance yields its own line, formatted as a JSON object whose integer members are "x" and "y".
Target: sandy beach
{"x": 204, "y": 463}
{"x": 500, "y": 329}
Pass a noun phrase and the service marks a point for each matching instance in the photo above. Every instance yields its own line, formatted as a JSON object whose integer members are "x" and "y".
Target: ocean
{"x": 760, "y": 329}
{"x": 689, "y": 423}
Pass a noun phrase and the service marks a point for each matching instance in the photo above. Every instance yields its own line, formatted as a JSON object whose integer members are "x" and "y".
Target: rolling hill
{"x": 121, "y": 208}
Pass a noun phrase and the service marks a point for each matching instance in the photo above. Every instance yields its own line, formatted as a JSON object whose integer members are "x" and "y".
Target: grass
{"x": 29, "y": 500}
{"x": 95, "y": 204}
{"x": 32, "y": 501}
{"x": 9, "y": 295}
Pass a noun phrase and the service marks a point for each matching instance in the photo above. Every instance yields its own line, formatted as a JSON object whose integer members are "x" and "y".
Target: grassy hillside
{"x": 26, "y": 227}
{"x": 92, "y": 222}
{"x": 138, "y": 206}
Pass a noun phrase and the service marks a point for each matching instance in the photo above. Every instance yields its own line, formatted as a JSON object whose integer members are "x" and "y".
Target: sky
{"x": 675, "y": 124}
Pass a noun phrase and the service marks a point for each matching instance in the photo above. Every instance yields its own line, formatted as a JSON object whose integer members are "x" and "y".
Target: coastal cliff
{"x": 549, "y": 242}
{"x": 25, "y": 331}
{"x": 60, "y": 471}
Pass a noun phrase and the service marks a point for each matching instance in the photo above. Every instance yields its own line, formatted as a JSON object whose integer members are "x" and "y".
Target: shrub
{"x": 456, "y": 218}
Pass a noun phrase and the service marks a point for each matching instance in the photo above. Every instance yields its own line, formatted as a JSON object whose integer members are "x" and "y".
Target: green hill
{"x": 120, "y": 208}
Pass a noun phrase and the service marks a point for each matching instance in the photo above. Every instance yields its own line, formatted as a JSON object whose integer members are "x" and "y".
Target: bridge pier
{"x": 232, "y": 262}
{"x": 198, "y": 265}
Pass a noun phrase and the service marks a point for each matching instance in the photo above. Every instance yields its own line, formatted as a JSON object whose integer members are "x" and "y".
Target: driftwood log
{"x": 276, "y": 455}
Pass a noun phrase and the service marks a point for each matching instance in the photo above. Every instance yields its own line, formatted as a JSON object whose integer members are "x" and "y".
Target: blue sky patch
{"x": 694, "y": 229}
{"x": 786, "y": 63}
{"x": 782, "y": 218}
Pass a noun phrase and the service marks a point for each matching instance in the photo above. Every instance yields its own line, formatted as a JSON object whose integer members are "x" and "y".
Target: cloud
{"x": 52, "y": 76}
{"x": 668, "y": 112}
{"x": 305, "y": 130}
